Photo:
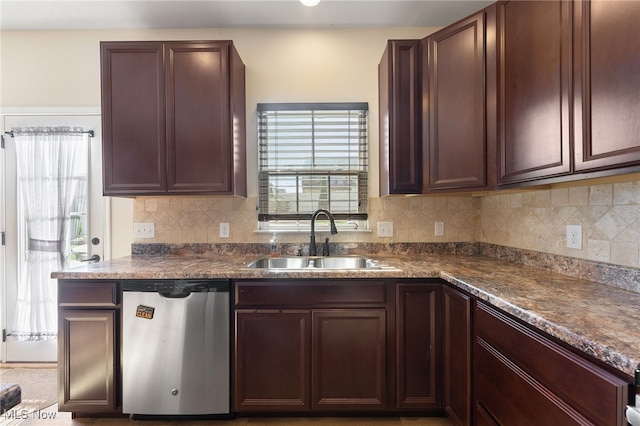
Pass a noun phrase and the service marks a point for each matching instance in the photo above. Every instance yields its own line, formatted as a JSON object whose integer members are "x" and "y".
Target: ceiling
{"x": 150, "y": 14}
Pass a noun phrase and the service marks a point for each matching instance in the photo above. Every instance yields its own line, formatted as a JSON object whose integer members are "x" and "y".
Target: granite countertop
{"x": 597, "y": 319}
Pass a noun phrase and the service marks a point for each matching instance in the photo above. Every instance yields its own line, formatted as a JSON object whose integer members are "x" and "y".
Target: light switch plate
{"x": 385, "y": 229}
{"x": 439, "y": 229}
{"x": 574, "y": 237}
{"x": 144, "y": 230}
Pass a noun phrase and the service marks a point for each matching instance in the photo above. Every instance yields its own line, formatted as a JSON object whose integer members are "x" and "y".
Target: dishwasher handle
{"x": 177, "y": 288}
{"x": 175, "y": 295}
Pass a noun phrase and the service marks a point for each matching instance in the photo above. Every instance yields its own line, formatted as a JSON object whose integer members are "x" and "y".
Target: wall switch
{"x": 144, "y": 230}
{"x": 224, "y": 230}
{"x": 385, "y": 229}
{"x": 439, "y": 229}
{"x": 574, "y": 237}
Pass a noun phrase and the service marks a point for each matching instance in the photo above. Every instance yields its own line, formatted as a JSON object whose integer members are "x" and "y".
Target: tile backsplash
{"x": 536, "y": 220}
{"x": 529, "y": 219}
{"x": 197, "y": 220}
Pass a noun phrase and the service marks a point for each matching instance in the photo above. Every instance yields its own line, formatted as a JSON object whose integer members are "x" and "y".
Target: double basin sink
{"x": 316, "y": 263}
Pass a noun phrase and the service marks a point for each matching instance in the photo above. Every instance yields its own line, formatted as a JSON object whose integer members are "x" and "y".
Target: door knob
{"x": 94, "y": 258}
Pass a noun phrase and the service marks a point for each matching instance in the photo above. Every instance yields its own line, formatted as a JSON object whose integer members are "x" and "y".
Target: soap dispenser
{"x": 273, "y": 246}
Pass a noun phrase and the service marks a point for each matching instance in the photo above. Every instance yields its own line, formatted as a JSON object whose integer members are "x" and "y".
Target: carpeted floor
{"x": 39, "y": 386}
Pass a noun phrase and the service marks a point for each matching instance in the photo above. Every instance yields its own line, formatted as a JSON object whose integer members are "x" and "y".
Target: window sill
{"x": 319, "y": 231}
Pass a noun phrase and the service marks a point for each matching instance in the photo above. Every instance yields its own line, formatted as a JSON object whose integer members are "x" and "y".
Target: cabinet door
{"x": 400, "y": 106}
{"x": 455, "y": 126}
{"x": 86, "y": 349}
{"x": 198, "y": 123}
{"x": 535, "y": 82}
{"x": 133, "y": 118}
{"x": 607, "y": 84}
{"x": 457, "y": 355}
{"x": 348, "y": 362}
{"x": 418, "y": 362}
{"x": 272, "y": 360}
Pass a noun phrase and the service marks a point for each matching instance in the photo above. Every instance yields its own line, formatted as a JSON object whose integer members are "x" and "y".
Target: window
{"x": 312, "y": 156}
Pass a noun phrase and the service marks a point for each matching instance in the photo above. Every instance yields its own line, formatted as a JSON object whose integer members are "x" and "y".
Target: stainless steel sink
{"x": 344, "y": 262}
{"x": 280, "y": 263}
{"x": 314, "y": 262}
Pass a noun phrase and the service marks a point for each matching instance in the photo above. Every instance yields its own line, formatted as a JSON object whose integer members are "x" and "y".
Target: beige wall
{"x": 286, "y": 65}
{"x": 62, "y": 68}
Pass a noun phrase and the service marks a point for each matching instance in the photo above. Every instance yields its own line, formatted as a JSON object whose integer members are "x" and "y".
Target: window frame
{"x": 351, "y": 221}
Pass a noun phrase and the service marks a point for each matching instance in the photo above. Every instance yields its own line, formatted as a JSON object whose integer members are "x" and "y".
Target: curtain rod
{"x": 89, "y": 132}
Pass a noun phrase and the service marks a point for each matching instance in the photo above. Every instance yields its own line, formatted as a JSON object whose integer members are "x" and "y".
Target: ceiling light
{"x": 310, "y": 3}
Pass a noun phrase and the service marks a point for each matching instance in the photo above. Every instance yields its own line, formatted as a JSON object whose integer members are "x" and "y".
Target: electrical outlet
{"x": 224, "y": 230}
{"x": 439, "y": 229}
{"x": 385, "y": 229}
{"x": 144, "y": 230}
{"x": 574, "y": 237}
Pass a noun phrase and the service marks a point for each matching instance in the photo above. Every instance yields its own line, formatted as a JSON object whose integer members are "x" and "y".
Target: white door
{"x": 88, "y": 236}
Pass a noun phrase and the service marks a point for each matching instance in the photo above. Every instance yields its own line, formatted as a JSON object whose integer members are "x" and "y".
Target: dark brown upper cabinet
{"x": 459, "y": 92}
{"x": 400, "y": 115}
{"x": 173, "y": 118}
{"x": 534, "y": 91}
{"x": 606, "y": 84}
{"x": 569, "y": 90}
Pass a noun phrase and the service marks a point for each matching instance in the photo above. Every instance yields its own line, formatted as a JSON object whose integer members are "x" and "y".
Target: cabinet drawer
{"x": 87, "y": 293}
{"x": 596, "y": 394}
{"x": 507, "y": 395}
{"x": 303, "y": 293}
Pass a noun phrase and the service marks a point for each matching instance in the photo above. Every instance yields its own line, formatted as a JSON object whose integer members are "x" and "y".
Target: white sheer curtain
{"x": 50, "y": 163}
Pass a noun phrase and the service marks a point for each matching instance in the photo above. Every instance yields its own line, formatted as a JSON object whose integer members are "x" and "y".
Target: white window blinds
{"x": 312, "y": 156}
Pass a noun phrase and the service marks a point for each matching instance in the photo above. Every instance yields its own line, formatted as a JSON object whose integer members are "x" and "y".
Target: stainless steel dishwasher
{"x": 176, "y": 347}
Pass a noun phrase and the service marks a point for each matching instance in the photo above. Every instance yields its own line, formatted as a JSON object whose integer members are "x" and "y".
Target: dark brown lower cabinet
{"x": 272, "y": 360}
{"x": 87, "y": 340}
{"x": 456, "y": 357}
{"x": 275, "y": 370}
{"x": 348, "y": 362}
{"x": 521, "y": 377}
{"x": 418, "y": 357}
{"x": 310, "y": 346}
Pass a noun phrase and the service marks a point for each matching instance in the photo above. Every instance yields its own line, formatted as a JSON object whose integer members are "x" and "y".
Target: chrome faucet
{"x": 312, "y": 238}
